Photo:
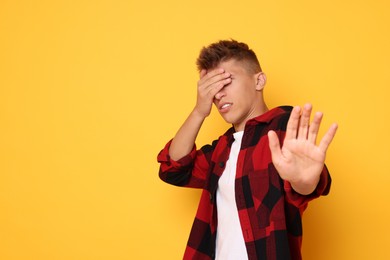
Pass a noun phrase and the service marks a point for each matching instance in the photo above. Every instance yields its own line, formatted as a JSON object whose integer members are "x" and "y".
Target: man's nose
{"x": 220, "y": 95}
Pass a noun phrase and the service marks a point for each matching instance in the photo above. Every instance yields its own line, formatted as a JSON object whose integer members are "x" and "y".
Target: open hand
{"x": 300, "y": 160}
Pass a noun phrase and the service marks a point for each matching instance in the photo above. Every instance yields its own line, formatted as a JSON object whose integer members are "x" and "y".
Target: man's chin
{"x": 229, "y": 120}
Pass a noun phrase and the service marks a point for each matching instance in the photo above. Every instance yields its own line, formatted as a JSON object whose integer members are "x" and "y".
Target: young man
{"x": 259, "y": 176}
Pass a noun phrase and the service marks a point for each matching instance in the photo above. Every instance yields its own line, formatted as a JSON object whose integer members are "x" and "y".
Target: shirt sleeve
{"x": 322, "y": 189}
{"x": 190, "y": 171}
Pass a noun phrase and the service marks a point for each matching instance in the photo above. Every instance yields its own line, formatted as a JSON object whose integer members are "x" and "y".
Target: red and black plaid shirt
{"x": 269, "y": 209}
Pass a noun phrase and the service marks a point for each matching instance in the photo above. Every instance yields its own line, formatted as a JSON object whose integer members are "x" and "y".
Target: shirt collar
{"x": 263, "y": 118}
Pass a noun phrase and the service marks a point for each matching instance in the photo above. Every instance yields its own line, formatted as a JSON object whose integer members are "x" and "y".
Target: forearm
{"x": 209, "y": 85}
{"x": 318, "y": 183}
{"x": 300, "y": 198}
{"x": 184, "y": 140}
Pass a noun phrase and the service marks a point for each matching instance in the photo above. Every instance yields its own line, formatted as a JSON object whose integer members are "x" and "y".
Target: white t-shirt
{"x": 230, "y": 244}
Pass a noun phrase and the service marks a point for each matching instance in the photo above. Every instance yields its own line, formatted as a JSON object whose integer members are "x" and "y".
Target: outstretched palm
{"x": 300, "y": 160}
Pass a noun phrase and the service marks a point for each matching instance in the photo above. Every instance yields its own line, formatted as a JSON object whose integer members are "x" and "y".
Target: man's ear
{"x": 261, "y": 79}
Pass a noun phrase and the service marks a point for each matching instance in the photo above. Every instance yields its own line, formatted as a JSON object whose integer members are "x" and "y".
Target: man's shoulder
{"x": 225, "y": 139}
{"x": 273, "y": 114}
{"x": 286, "y": 108}
{"x": 280, "y": 118}
{"x": 283, "y": 112}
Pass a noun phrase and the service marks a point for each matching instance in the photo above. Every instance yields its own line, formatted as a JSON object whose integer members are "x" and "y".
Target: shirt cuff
{"x": 167, "y": 163}
{"x": 321, "y": 189}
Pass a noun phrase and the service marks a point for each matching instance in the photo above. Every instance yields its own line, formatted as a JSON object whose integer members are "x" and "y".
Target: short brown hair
{"x": 211, "y": 56}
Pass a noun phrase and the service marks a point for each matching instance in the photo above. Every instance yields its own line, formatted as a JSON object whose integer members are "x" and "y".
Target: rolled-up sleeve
{"x": 322, "y": 189}
{"x": 189, "y": 171}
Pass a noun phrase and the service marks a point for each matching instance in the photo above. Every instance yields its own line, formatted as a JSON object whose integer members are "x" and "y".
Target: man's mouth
{"x": 226, "y": 105}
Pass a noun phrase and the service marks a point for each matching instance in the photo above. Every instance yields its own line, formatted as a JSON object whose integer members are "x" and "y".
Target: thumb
{"x": 274, "y": 145}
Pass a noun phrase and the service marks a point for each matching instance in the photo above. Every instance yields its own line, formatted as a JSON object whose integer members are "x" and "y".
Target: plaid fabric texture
{"x": 269, "y": 209}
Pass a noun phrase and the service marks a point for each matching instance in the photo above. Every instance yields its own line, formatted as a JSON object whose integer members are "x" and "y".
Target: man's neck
{"x": 260, "y": 110}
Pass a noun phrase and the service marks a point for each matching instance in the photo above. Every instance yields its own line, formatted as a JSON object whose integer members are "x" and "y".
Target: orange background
{"x": 90, "y": 91}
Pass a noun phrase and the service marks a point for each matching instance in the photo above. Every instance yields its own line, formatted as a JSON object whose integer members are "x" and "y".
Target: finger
{"x": 217, "y": 80}
{"x": 211, "y": 74}
{"x": 274, "y": 146}
{"x": 215, "y": 88}
{"x": 304, "y": 122}
{"x": 328, "y": 137}
{"x": 314, "y": 127}
{"x": 293, "y": 122}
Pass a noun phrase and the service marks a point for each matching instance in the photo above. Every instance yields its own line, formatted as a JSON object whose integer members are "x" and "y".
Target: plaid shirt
{"x": 269, "y": 209}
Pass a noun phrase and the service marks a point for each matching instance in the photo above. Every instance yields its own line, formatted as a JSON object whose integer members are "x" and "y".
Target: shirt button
{"x": 221, "y": 164}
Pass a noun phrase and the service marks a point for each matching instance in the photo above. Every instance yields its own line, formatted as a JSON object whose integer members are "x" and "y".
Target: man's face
{"x": 240, "y": 100}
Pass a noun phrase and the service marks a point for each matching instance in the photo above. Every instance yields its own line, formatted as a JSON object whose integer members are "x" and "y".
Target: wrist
{"x": 304, "y": 186}
{"x": 199, "y": 114}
